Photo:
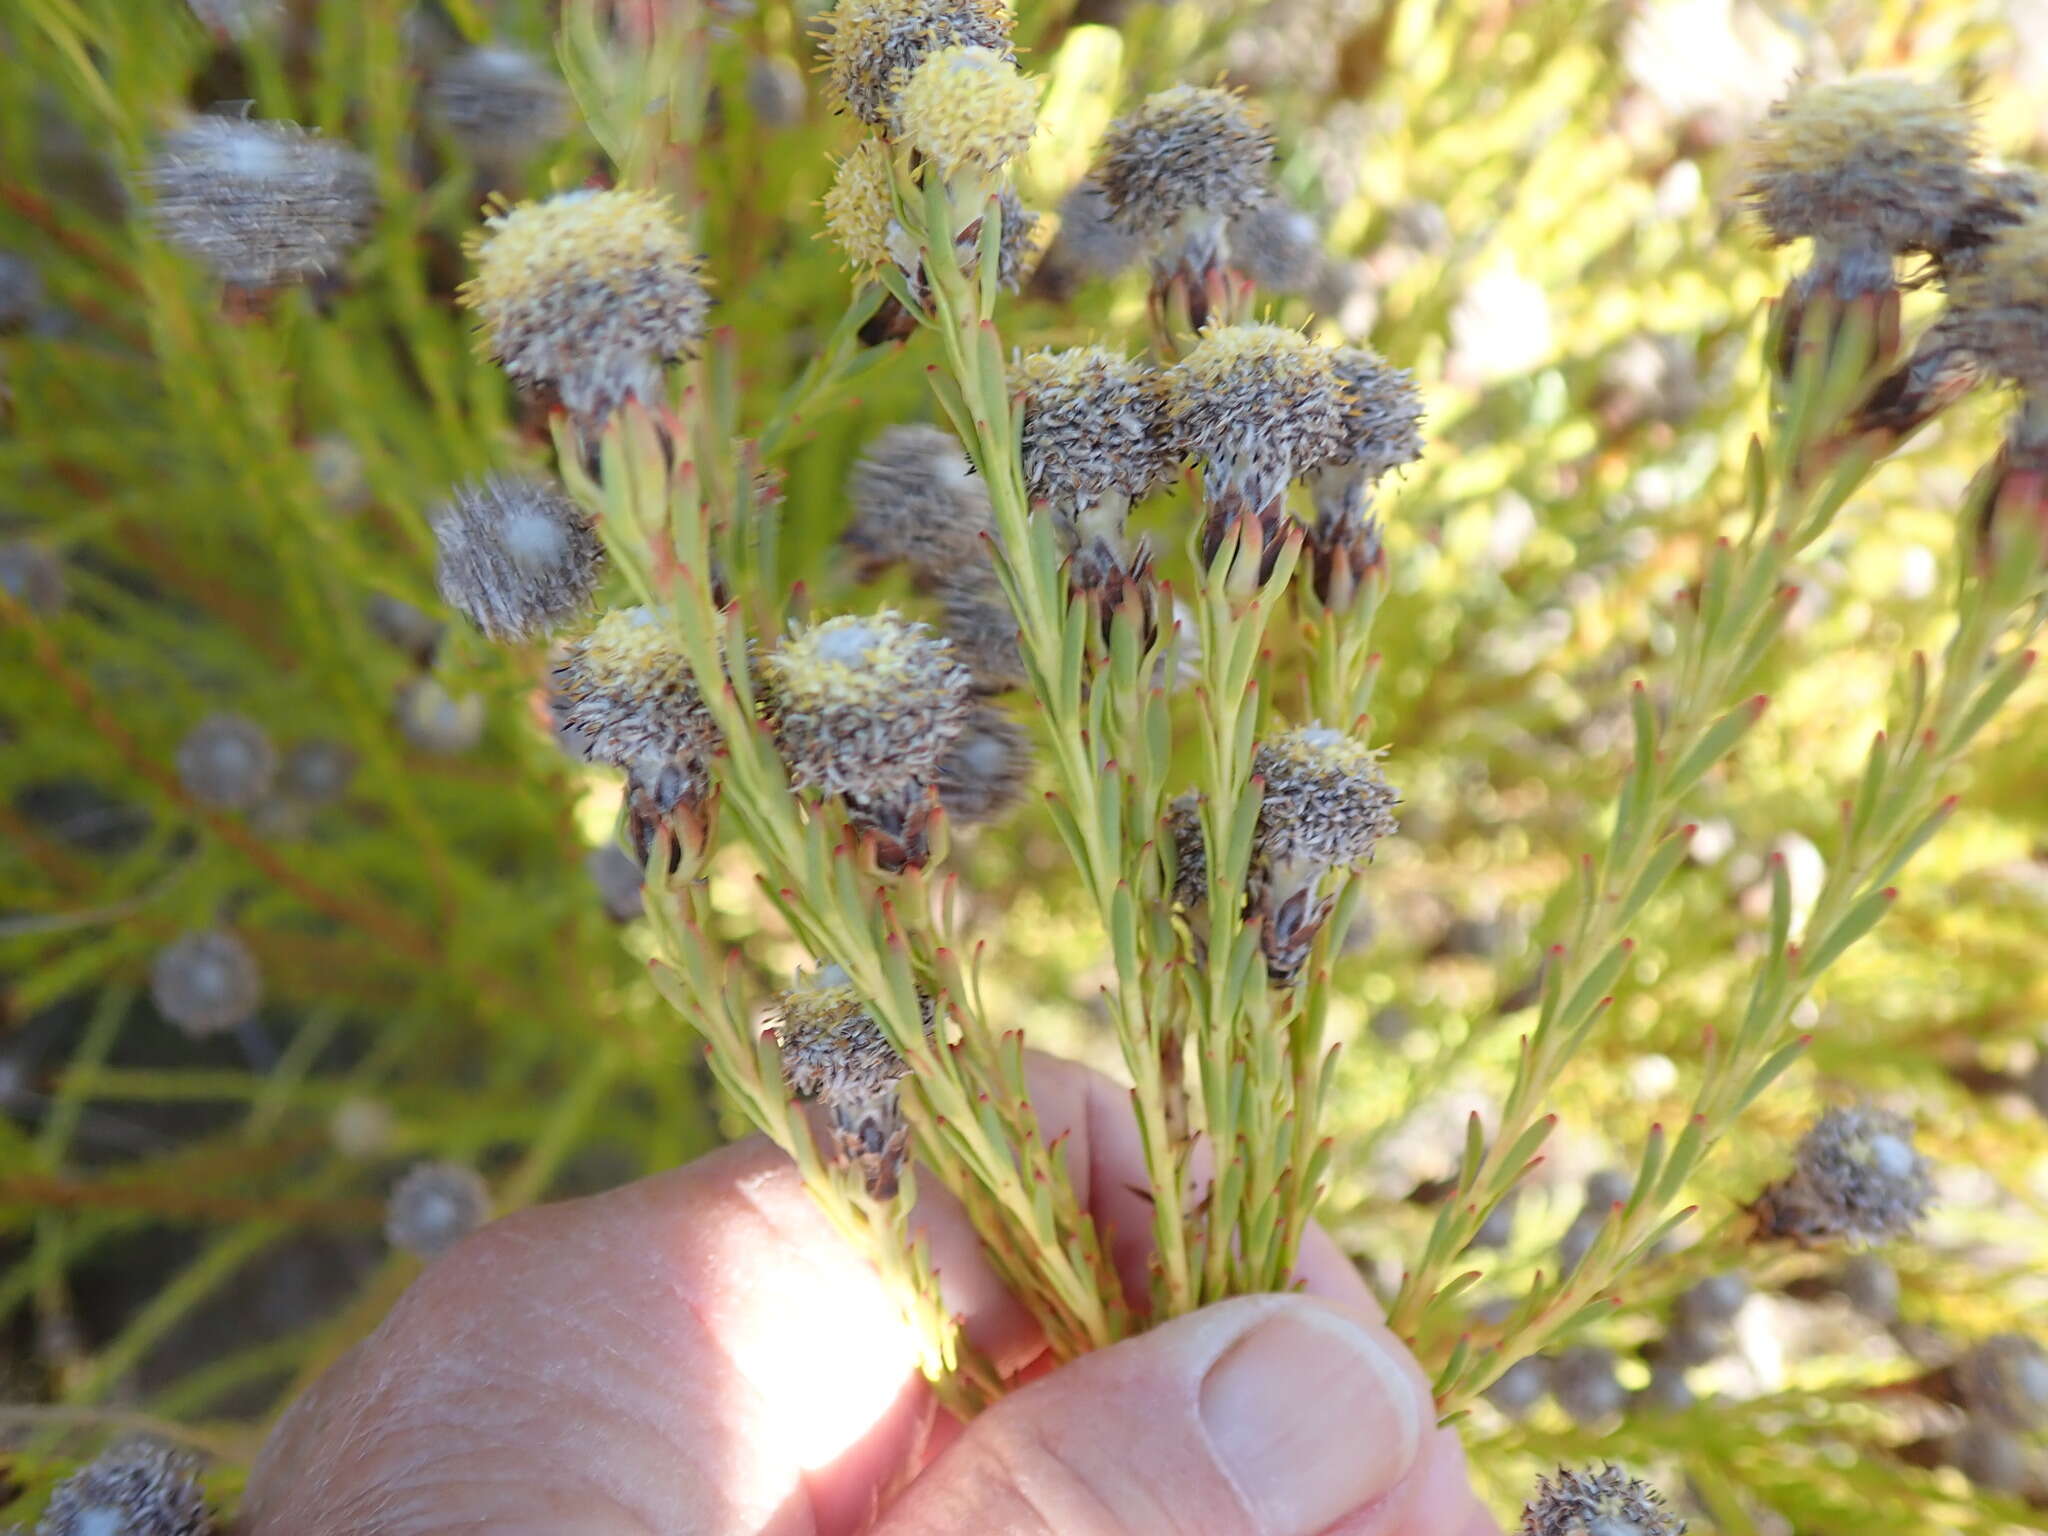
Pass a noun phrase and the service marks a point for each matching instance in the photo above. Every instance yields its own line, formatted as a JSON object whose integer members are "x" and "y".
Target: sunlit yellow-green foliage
{"x": 1531, "y": 205}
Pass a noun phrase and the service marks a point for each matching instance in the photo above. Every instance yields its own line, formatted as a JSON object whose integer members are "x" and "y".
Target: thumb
{"x": 1262, "y": 1416}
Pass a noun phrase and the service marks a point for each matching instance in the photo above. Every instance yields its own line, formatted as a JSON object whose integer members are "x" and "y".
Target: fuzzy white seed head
{"x": 517, "y": 556}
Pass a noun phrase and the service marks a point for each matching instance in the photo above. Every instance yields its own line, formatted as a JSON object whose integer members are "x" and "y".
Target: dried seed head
{"x": 832, "y": 1047}
{"x": 986, "y": 771}
{"x": 1715, "y": 1299}
{"x": 624, "y": 695}
{"x": 589, "y": 294}
{"x": 1092, "y": 427}
{"x": 1276, "y": 245}
{"x": 132, "y": 1490}
{"x": 1382, "y": 413}
{"x": 206, "y": 982}
{"x": 859, "y": 212}
{"x": 917, "y": 500}
{"x": 967, "y": 109}
{"x": 437, "y": 721}
{"x": 318, "y": 771}
{"x": 32, "y": 576}
{"x": 1855, "y": 1176}
{"x": 1874, "y": 166}
{"x": 872, "y": 47}
{"x": 1190, "y": 851}
{"x": 1604, "y": 1503}
{"x": 1260, "y": 404}
{"x": 1999, "y": 308}
{"x": 977, "y": 619}
{"x": 1521, "y": 1386}
{"x": 1187, "y": 149}
{"x": 2005, "y": 1379}
{"x": 1326, "y": 802}
{"x": 227, "y": 762}
{"x": 260, "y": 204}
{"x": 865, "y": 704}
{"x": 2001, "y": 199}
{"x": 517, "y": 556}
{"x": 499, "y": 103}
{"x": 434, "y": 1207}
{"x": 1989, "y": 1456}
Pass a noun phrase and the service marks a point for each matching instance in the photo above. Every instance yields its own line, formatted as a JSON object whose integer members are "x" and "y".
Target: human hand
{"x": 700, "y": 1353}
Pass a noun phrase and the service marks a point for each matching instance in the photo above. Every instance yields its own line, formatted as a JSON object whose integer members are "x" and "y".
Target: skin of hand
{"x": 700, "y": 1353}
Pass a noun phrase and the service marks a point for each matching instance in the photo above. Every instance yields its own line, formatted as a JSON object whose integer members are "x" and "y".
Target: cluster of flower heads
{"x": 833, "y": 1050}
{"x": 138, "y": 1489}
{"x": 260, "y": 204}
{"x": 1856, "y": 1177}
{"x": 588, "y": 296}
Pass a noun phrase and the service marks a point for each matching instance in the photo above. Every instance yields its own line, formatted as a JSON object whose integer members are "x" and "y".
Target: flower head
{"x": 434, "y": 1207}
{"x": 2005, "y": 1379}
{"x": 1869, "y": 167}
{"x": 32, "y": 576}
{"x": 859, "y": 213}
{"x": 318, "y": 771}
{"x": 1276, "y": 245}
{"x": 624, "y": 695}
{"x": 832, "y": 1048}
{"x": 1261, "y": 404}
{"x": 133, "y": 1490}
{"x": 499, "y": 102}
{"x": 1186, "y": 149}
{"x": 437, "y": 721}
{"x": 590, "y": 294}
{"x": 1855, "y": 1175}
{"x": 916, "y": 500}
{"x": 206, "y": 982}
{"x": 968, "y": 109}
{"x": 873, "y": 47}
{"x": 1091, "y": 242}
{"x": 976, "y": 618}
{"x": 1582, "y": 1380}
{"x": 1326, "y": 802}
{"x": 1999, "y": 308}
{"x": 865, "y": 704}
{"x": 260, "y": 204}
{"x": 517, "y": 556}
{"x": 986, "y": 771}
{"x": 227, "y": 762}
{"x": 1382, "y": 427}
{"x": 1016, "y": 244}
{"x": 1092, "y": 427}
{"x": 1190, "y": 851}
{"x": 1604, "y": 1503}
{"x": 21, "y": 291}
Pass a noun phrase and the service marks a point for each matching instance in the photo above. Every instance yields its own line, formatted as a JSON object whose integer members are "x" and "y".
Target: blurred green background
{"x": 1529, "y": 204}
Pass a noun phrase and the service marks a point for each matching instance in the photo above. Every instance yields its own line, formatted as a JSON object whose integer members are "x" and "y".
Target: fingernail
{"x": 1312, "y": 1417}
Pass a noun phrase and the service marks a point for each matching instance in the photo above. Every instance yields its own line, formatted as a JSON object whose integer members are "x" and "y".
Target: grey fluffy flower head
{"x": 1382, "y": 413}
{"x": 916, "y": 500}
{"x": 832, "y": 1048}
{"x": 434, "y": 1207}
{"x": 986, "y": 771}
{"x": 1326, "y": 802}
{"x": 2005, "y": 1379}
{"x": 1190, "y": 850}
{"x": 1186, "y": 149}
{"x": 1855, "y": 1176}
{"x": 624, "y": 695}
{"x": 1090, "y": 238}
{"x": 132, "y": 1490}
{"x": 1260, "y": 403}
{"x": 517, "y": 556}
{"x": 976, "y": 618}
{"x": 1092, "y": 426}
{"x": 1607, "y": 1502}
{"x": 226, "y": 761}
{"x": 590, "y": 294}
{"x": 499, "y": 102}
{"x": 205, "y": 982}
{"x": 865, "y": 704}
{"x": 1277, "y": 245}
{"x": 260, "y": 204}
{"x": 872, "y": 47}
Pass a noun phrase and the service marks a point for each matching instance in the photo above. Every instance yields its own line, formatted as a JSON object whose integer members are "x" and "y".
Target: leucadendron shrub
{"x": 1041, "y": 545}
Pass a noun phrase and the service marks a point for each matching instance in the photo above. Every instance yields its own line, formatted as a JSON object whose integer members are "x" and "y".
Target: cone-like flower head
{"x": 624, "y": 696}
{"x": 2000, "y": 308}
{"x": 133, "y": 1490}
{"x": 865, "y": 704}
{"x": 517, "y": 556}
{"x": 589, "y": 294}
{"x": 1186, "y": 149}
{"x": 1326, "y": 802}
{"x": 1260, "y": 403}
{"x": 1092, "y": 427}
{"x": 858, "y": 210}
{"x": 1855, "y": 1176}
{"x": 968, "y": 109}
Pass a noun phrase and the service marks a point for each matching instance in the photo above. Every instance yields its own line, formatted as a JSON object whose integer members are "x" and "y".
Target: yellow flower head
{"x": 588, "y": 293}
{"x": 858, "y": 207}
{"x": 968, "y": 109}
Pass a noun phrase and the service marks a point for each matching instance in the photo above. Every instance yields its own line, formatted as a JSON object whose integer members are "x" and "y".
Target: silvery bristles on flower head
{"x": 434, "y": 1207}
{"x": 872, "y": 48}
{"x": 976, "y": 619}
{"x": 1855, "y": 1177}
{"x": 516, "y": 556}
{"x": 1277, "y": 246}
{"x": 227, "y": 762}
{"x": 917, "y": 501}
{"x": 1999, "y": 312}
{"x": 1382, "y": 430}
{"x": 1175, "y": 172}
{"x": 206, "y": 982}
{"x": 137, "y": 1489}
{"x": 987, "y": 769}
{"x": 500, "y": 104}
{"x": 1869, "y": 169}
{"x": 624, "y": 696}
{"x": 1325, "y": 807}
{"x": 588, "y": 294}
{"x": 259, "y": 204}
{"x": 1258, "y": 405}
{"x": 834, "y": 1051}
{"x": 864, "y": 707}
{"x": 1604, "y": 1503}
{"x": 1093, "y": 438}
